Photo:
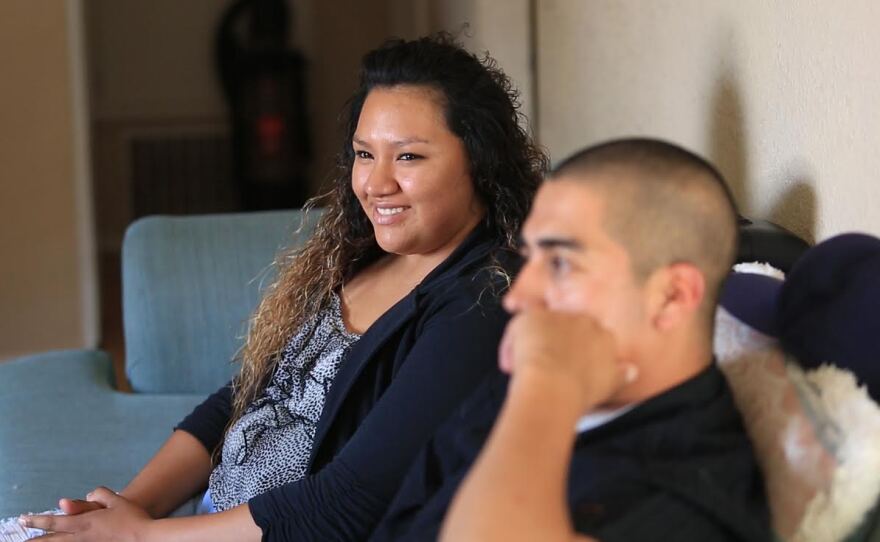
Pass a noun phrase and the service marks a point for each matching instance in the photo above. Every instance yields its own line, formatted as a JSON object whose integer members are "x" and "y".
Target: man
{"x": 615, "y": 422}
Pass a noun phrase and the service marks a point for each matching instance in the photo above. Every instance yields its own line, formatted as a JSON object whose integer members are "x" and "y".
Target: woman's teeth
{"x": 389, "y": 212}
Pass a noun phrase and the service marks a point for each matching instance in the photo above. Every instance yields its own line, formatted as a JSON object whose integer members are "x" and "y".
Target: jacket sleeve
{"x": 207, "y": 422}
{"x": 344, "y": 501}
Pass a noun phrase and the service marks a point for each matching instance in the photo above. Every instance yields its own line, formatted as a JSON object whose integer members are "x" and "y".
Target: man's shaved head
{"x": 664, "y": 204}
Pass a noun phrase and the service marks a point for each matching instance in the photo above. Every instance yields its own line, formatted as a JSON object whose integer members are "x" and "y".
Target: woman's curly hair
{"x": 481, "y": 107}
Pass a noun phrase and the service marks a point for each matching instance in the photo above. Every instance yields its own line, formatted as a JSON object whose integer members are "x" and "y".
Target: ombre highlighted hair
{"x": 481, "y": 107}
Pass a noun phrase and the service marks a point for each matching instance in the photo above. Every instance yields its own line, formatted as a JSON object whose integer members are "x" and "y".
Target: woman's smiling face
{"x": 411, "y": 174}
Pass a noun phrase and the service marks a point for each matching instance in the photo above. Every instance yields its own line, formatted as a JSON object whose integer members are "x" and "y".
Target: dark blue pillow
{"x": 829, "y": 308}
{"x": 752, "y": 299}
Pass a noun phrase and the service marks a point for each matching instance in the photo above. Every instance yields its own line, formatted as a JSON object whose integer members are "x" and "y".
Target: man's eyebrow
{"x": 559, "y": 242}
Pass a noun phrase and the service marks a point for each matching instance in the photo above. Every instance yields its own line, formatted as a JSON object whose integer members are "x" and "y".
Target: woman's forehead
{"x": 401, "y": 114}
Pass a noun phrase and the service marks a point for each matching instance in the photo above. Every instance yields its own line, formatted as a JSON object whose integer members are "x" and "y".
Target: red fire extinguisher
{"x": 263, "y": 80}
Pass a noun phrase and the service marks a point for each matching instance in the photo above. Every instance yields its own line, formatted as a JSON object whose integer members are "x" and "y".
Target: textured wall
{"x": 47, "y": 274}
{"x": 782, "y": 95}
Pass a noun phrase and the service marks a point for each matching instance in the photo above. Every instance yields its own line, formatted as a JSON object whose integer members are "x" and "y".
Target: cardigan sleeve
{"x": 418, "y": 507}
{"x": 344, "y": 501}
{"x": 207, "y": 422}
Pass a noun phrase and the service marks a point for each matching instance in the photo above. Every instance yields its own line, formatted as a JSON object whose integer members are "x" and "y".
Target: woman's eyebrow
{"x": 409, "y": 140}
{"x": 396, "y": 143}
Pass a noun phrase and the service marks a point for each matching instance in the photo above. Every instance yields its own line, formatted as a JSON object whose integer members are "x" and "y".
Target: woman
{"x": 373, "y": 332}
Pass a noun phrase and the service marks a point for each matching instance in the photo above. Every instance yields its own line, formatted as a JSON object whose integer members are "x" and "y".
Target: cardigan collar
{"x": 478, "y": 243}
{"x": 475, "y": 247}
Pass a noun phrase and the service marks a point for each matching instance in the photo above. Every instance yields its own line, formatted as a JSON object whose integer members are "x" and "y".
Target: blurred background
{"x": 111, "y": 110}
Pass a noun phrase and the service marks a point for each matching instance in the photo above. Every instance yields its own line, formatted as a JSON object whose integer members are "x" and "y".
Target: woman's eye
{"x": 408, "y": 157}
{"x": 364, "y": 155}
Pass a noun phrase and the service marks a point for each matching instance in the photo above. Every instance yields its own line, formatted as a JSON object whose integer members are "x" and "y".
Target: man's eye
{"x": 559, "y": 265}
{"x": 363, "y": 155}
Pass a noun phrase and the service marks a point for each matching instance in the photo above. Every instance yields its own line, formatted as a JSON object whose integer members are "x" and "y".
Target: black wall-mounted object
{"x": 263, "y": 81}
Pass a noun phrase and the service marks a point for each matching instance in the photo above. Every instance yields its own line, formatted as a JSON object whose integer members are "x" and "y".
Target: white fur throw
{"x": 816, "y": 435}
{"x": 759, "y": 268}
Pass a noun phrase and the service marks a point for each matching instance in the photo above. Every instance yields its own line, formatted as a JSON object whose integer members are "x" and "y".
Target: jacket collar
{"x": 694, "y": 394}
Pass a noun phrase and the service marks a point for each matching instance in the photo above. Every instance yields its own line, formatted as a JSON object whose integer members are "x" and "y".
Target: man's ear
{"x": 678, "y": 291}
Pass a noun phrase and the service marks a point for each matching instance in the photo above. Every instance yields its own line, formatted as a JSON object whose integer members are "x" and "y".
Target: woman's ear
{"x": 678, "y": 291}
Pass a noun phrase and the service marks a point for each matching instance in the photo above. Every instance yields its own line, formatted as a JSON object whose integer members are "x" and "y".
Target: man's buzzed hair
{"x": 664, "y": 204}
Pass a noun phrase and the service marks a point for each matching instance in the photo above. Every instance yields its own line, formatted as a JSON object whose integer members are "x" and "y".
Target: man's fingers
{"x": 630, "y": 373}
{"x": 626, "y": 374}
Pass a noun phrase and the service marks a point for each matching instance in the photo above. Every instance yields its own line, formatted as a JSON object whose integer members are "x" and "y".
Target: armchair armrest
{"x": 66, "y": 429}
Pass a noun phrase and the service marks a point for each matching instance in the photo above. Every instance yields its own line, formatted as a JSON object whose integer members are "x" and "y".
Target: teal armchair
{"x": 189, "y": 285}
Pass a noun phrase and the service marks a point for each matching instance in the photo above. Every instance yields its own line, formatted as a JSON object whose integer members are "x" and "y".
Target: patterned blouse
{"x": 271, "y": 443}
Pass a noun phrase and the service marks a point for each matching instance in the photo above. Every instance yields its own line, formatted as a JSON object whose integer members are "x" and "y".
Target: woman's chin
{"x": 393, "y": 245}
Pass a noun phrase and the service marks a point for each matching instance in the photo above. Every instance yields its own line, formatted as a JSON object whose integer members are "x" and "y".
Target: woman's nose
{"x": 381, "y": 181}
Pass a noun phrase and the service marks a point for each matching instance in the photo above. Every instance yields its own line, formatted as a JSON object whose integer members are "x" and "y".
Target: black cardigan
{"x": 398, "y": 383}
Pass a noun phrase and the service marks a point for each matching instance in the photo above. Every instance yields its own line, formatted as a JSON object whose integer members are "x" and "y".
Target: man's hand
{"x": 562, "y": 365}
{"x": 565, "y": 350}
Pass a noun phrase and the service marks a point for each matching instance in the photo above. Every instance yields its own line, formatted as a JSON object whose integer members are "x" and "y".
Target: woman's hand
{"x": 111, "y": 517}
{"x": 73, "y": 507}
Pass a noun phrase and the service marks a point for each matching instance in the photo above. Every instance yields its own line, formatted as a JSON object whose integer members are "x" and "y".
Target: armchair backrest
{"x": 189, "y": 285}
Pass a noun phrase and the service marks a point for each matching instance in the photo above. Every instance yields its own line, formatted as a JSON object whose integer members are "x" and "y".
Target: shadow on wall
{"x": 795, "y": 209}
{"x": 727, "y": 144}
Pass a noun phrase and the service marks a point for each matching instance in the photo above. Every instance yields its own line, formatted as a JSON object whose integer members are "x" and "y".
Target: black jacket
{"x": 677, "y": 467}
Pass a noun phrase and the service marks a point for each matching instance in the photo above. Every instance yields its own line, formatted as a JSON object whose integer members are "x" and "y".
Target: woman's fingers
{"x": 56, "y": 537}
{"x": 104, "y": 497}
{"x": 72, "y": 507}
{"x": 56, "y": 524}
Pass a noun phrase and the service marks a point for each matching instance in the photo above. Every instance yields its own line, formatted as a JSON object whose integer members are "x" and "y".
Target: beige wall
{"x": 151, "y": 72}
{"x": 333, "y": 67}
{"x": 782, "y": 95}
{"x": 153, "y": 60}
{"x": 47, "y": 276}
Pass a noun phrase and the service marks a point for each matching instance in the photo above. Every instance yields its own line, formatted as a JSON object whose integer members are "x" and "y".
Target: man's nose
{"x": 526, "y": 291}
{"x": 381, "y": 181}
